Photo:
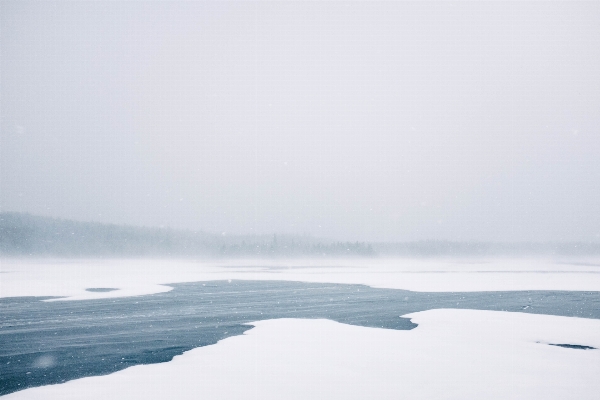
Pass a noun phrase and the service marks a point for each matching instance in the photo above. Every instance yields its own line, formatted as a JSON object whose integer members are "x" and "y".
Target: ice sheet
{"x": 452, "y": 354}
{"x": 136, "y": 277}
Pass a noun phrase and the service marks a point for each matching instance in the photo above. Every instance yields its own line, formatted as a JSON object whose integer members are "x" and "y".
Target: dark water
{"x": 43, "y": 343}
{"x": 573, "y": 346}
{"x": 101, "y": 289}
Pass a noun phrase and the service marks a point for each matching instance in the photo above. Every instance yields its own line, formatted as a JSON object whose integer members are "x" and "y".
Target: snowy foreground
{"x": 460, "y": 354}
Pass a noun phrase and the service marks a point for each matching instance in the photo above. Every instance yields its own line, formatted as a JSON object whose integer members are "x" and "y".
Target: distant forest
{"x": 28, "y": 235}
{"x": 25, "y": 235}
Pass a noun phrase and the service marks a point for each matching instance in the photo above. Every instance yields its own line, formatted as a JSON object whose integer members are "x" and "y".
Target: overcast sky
{"x": 352, "y": 121}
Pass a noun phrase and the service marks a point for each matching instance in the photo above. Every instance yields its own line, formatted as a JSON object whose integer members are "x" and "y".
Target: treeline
{"x": 437, "y": 248}
{"x": 29, "y": 235}
{"x": 296, "y": 247}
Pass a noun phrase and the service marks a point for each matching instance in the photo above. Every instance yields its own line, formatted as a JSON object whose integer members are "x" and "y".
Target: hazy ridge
{"x": 29, "y": 235}
{"x": 26, "y": 235}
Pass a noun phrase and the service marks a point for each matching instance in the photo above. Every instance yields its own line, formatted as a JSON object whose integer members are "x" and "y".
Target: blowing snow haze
{"x": 354, "y": 121}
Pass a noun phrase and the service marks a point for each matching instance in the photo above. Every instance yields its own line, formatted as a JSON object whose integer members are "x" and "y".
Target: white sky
{"x": 358, "y": 121}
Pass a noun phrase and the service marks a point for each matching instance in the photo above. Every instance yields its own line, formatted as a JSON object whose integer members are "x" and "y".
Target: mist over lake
{"x": 346, "y": 121}
{"x": 299, "y": 200}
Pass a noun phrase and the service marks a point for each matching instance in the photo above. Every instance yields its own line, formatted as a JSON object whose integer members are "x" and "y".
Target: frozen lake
{"x": 49, "y": 342}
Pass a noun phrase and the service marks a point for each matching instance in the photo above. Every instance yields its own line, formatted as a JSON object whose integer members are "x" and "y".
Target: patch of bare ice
{"x": 452, "y": 354}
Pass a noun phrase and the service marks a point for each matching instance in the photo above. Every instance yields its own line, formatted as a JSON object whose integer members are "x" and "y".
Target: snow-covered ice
{"x": 137, "y": 277}
{"x": 452, "y": 354}
{"x": 464, "y": 354}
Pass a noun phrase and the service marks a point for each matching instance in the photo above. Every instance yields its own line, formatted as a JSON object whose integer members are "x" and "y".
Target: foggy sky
{"x": 354, "y": 121}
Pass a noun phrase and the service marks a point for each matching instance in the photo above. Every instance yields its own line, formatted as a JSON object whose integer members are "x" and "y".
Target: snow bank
{"x": 136, "y": 277}
{"x": 453, "y": 354}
